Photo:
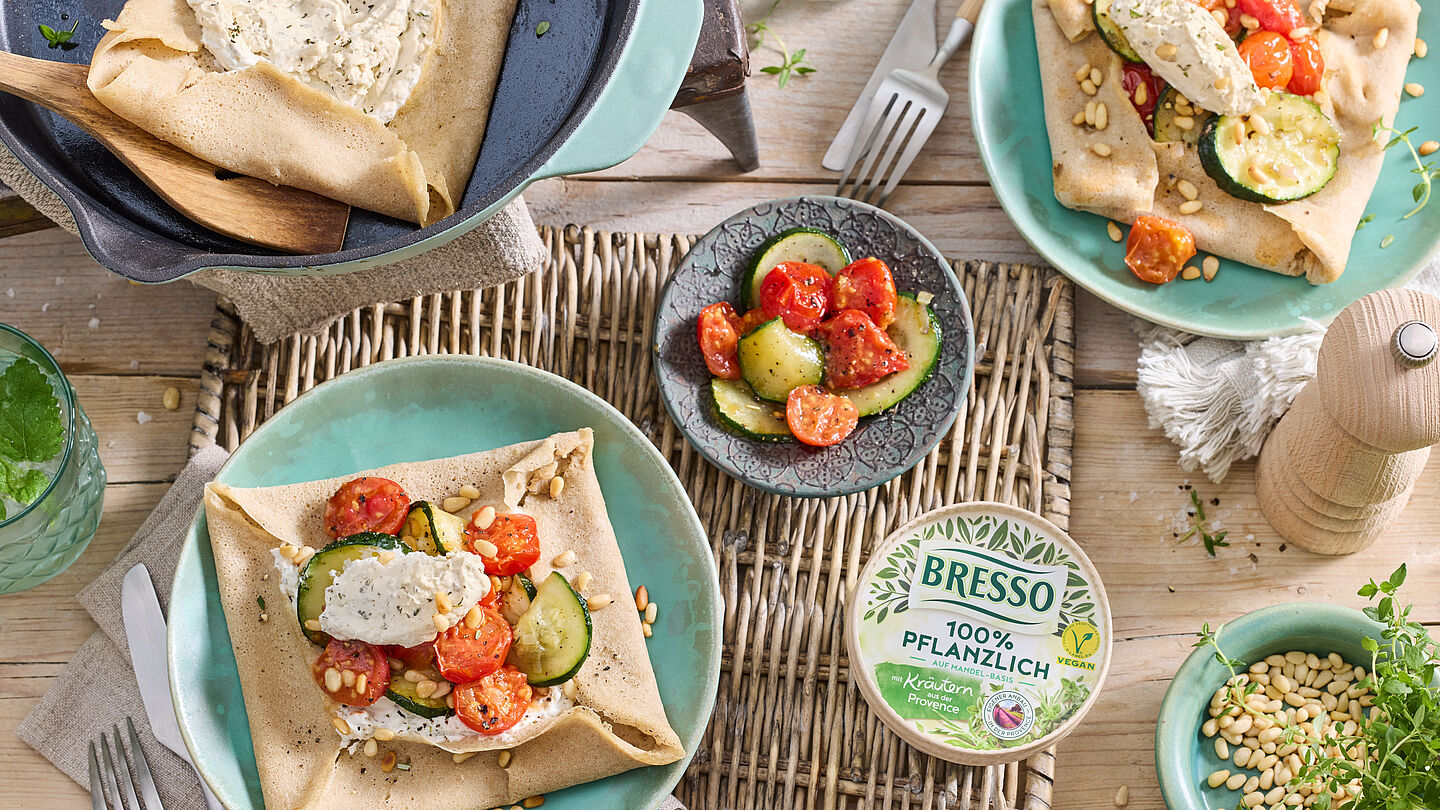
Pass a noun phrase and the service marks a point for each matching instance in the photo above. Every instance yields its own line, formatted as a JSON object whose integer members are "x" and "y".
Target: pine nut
{"x": 1261, "y": 124}
{"x": 1251, "y": 785}
{"x": 425, "y": 688}
{"x": 371, "y": 748}
{"x": 484, "y": 518}
{"x": 565, "y": 558}
{"x": 1253, "y": 799}
{"x": 1122, "y": 796}
{"x": 347, "y": 677}
{"x": 1079, "y": 119}
{"x": 361, "y": 683}
{"x": 1300, "y": 32}
{"x": 1101, "y": 149}
{"x": 599, "y": 600}
{"x": 386, "y": 557}
{"x": 1415, "y": 89}
{"x": 340, "y": 725}
{"x": 504, "y": 759}
{"x": 413, "y": 676}
{"x": 384, "y": 734}
{"x": 1167, "y": 51}
{"x": 582, "y": 580}
{"x": 1221, "y": 749}
{"x": 1114, "y": 232}
{"x": 1191, "y": 207}
{"x": 171, "y": 398}
{"x": 333, "y": 680}
{"x": 450, "y": 700}
{"x": 1221, "y": 16}
{"x": 1187, "y": 189}
{"x": 1218, "y": 778}
{"x": 642, "y": 598}
{"x": 312, "y": 624}
{"x": 1249, "y": 22}
{"x": 1421, "y": 48}
{"x": 288, "y": 551}
{"x": 651, "y": 611}
{"x": 470, "y": 492}
{"x": 533, "y": 801}
{"x": 1088, "y": 88}
{"x": 1429, "y": 147}
{"x": 1241, "y": 757}
{"x": 474, "y": 617}
{"x": 1102, "y": 116}
{"x": 484, "y": 547}
{"x": 462, "y": 758}
{"x": 1209, "y": 267}
{"x": 557, "y": 486}
{"x": 1090, "y": 113}
{"x": 1082, "y": 72}
{"x": 1190, "y": 273}
{"x": 441, "y": 623}
{"x": 1222, "y": 83}
{"x": 442, "y": 688}
{"x": 1234, "y": 782}
{"x": 1210, "y": 728}
{"x": 454, "y": 504}
{"x": 387, "y": 762}
{"x": 570, "y": 689}
{"x": 1381, "y": 37}
{"x": 1142, "y": 95}
{"x": 442, "y": 602}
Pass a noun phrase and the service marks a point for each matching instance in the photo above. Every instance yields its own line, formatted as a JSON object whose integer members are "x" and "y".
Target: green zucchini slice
{"x": 321, "y": 569}
{"x": 1111, "y": 33}
{"x": 430, "y": 529}
{"x": 516, "y": 594}
{"x": 1287, "y": 149}
{"x": 916, "y": 331}
{"x": 1166, "y": 130}
{"x": 795, "y": 245}
{"x": 403, "y": 693}
{"x": 775, "y": 360}
{"x": 552, "y": 639}
{"x": 743, "y": 412}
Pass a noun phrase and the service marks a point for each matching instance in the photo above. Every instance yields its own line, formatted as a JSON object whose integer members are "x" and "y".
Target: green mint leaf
{"x": 1370, "y": 644}
{"x": 804, "y": 70}
{"x": 1398, "y": 578}
{"x": 542, "y": 28}
{"x": 772, "y": 70}
{"x": 23, "y": 486}
{"x": 47, "y": 32}
{"x": 30, "y": 425}
{"x": 784, "y": 78}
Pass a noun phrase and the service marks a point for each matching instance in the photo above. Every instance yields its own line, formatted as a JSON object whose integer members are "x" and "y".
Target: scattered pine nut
{"x": 1088, "y": 88}
{"x": 570, "y": 689}
{"x": 504, "y": 759}
{"x": 1218, "y": 778}
{"x": 425, "y": 688}
{"x": 1114, "y": 230}
{"x": 442, "y": 688}
{"x": 333, "y": 680}
{"x": 484, "y": 518}
{"x": 1079, "y": 119}
{"x": 533, "y": 801}
{"x": 441, "y": 623}
{"x": 1090, "y": 113}
{"x": 1187, "y": 189}
{"x": 413, "y": 676}
{"x": 557, "y": 486}
{"x": 1421, "y": 48}
{"x": 1082, "y": 72}
{"x": 582, "y": 580}
{"x": 470, "y": 492}
{"x": 1102, "y": 116}
{"x": 1096, "y": 77}
{"x": 1185, "y": 122}
{"x": 645, "y": 628}
{"x": 1249, "y": 22}
{"x": 642, "y": 597}
{"x": 1300, "y": 32}
{"x": 312, "y": 624}
{"x": 1100, "y": 148}
{"x": 442, "y": 602}
{"x": 651, "y": 611}
{"x": 288, "y": 551}
{"x": 384, "y": 734}
{"x": 1222, "y": 83}
{"x": 599, "y": 601}
{"x": 386, "y": 557}
{"x": 1122, "y": 796}
{"x": 484, "y": 547}
{"x": 1191, "y": 206}
{"x": 387, "y": 762}
{"x": 450, "y": 700}
{"x": 361, "y": 682}
{"x": 1429, "y": 148}
{"x": 1167, "y": 51}
{"x": 1381, "y": 37}
{"x": 1221, "y": 16}
{"x": 348, "y": 678}
{"x": 474, "y": 617}
{"x": 303, "y": 555}
{"x": 1142, "y": 95}
{"x": 1210, "y": 267}
{"x": 564, "y": 558}
{"x": 340, "y": 725}
{"x": 454, "y": 504}
{"x": 1415, "y": 89}
{"x": 462, "y": 758}
{"x": 1190, "y": 273}
{"x": 371, "y": 748}
{"x": 171, "y": 398}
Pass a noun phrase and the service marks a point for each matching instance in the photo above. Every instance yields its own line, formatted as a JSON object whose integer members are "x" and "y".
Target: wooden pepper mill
{"x": 1340, "y": 466}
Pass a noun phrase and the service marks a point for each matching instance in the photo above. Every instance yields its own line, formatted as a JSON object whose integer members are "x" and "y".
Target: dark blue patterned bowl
{"x": 884, "y": 445}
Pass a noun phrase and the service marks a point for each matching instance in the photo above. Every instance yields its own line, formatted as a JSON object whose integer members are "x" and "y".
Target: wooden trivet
{"x": 790, "y": 730}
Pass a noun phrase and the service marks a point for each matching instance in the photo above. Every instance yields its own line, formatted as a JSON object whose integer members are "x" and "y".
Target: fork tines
{"x": 895, "y": 119}
{"x": 115, "y": 779}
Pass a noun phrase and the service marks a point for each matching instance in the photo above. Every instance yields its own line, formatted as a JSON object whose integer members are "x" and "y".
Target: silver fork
{"x": 904, "y": 111}
{"x": 117, "y": 774}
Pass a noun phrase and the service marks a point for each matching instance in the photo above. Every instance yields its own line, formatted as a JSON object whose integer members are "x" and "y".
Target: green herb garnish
{"x": 30, "y": 430}
{"x": 1211, "y": 541}
{"x": 60, "y": 38}
{"x": 260, "y": 600}
{"x": 791, "y": 64}
{"x": 1427, "y": 171}
{"x": 1365, "y": 220}
{"x": 542, "y": 28}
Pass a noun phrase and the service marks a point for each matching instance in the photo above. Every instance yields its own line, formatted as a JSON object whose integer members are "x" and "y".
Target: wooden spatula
{"x": 240, "y": 207}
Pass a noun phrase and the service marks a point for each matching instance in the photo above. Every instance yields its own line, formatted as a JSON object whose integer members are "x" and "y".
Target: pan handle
{"x": 646, "y": 78}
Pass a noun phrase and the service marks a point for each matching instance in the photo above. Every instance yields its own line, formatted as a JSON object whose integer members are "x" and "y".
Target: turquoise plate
{"x": 1184, "y": 757}
{"x": 1243, "y": 302}
{"x": 434, "y": 407}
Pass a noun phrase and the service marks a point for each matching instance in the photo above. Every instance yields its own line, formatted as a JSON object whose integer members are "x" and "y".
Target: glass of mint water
{"x": 51, "y": 483}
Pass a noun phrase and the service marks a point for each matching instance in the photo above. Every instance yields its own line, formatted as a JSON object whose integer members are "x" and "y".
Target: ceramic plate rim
{"x": 711, "y": 677}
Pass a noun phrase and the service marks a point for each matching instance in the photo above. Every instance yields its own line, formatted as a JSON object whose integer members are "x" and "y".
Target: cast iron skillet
{"x": 585, "y": 95}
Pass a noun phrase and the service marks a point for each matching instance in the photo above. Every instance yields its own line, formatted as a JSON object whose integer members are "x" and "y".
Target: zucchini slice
{"x": 516, "y": 594}
{"x": 320, "y": 571}
{"x": 1111, "y": 33}
{"x": 795, "y": 245}
{"x": 740, "y": 410}
{"x": 916, "y": 331}
{"x": 1284, "y": 150}
{"x": 403, "y": 693}
{"x": 775, "y": 360}
{"x": 430, "y": 529}
{"x": 1166, "y": 130}
{"x": 552, "y": 639}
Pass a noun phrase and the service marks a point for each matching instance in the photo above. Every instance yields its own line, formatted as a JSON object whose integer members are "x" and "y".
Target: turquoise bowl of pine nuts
{"x": 1233, "y": 736}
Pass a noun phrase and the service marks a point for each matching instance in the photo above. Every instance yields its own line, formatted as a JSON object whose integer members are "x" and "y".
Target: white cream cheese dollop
{"x": 443, "y": 732}
{"x": 394, "y": 602}
{"x": 366, "y": 53}
{"x": 1186, "y": 47}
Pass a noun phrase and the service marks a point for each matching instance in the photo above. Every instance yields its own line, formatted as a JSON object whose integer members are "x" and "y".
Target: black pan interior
{"x": 546, "y": 85}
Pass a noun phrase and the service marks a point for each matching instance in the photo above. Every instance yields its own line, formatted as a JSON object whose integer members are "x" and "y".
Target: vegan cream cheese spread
{"x": 394, "y": 602}
{"x": 1186, "y": 46}
{"x": 366, "y": 53}
{"x": 980, "y": 633}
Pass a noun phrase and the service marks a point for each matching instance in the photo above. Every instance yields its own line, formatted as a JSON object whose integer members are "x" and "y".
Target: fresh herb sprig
{"x": 1211, "y": 541}
{"x": 30, "y": 430}
{"x": 791, "y": 64}
{"x": 60, "y": 38}
{"x": 1394, "y": 751}
{"x": 1428, "y": 171}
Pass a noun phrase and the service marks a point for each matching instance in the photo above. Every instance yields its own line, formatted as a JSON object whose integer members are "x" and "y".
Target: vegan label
{"x": 981, "y": 629}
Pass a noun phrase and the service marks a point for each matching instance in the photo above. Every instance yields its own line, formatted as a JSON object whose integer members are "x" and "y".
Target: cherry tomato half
{"x": 866, "y": 285}
{"x": 495, "y": 702}
{"x": 516, "y": 537}
{"x": 1157, "y": 249}
{"x": 465, "y": 654}
{"x": 421, "y": 656}
{"x": 747, "y": 322}
{"x": 857, "y": 352}
{"x": 818, "y": 417}
{"x": 368, "y": 504}
{"x": 1268, "y": 55}
{"x": 1279, "y": 16}
{"x": 719, "y": 340}
{"x": 359, "y": 660}
{"x": 1134, "y": 75}
{"x": 798, "y": 293}
{"x": 1307, "y": 66}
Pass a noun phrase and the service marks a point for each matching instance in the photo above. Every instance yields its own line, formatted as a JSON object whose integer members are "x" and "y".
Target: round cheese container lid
{"x": 979, "y": 633}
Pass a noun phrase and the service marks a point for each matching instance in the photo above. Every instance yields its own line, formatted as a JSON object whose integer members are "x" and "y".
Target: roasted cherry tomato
{"x": 495, "y": 702}
{"x": 491, "y": 599}
{"x": 1268, "y": 55}
{"x": 361, "y": 672}
{"x": 719, "y": 340}
{"x": 866, "y": 285}
{"x": 798, "y": 293}
{"x": 857, "y": 352}
{"x": 1158, "y": 249}
{"x": 747, "y": 322}
{"x": 1307, "y": 66}
{"x": 1135, "y": 75}
{"x": 516, "y": 537}
{"x": 464, "y": 653}
{"x": 1279, "y": 16}
{"x": 1230, "y": 16}
{"x": 368, "y": 504}
{"x": 818, "y": 417}
{"x": 421, "y": 656}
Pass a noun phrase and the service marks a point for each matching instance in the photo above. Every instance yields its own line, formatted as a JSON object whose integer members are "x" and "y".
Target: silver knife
{"x": 912, "y": 47}
{"x": 145, "y": 631}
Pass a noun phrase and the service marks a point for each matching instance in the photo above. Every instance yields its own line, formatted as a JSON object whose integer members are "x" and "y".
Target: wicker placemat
{"x": 790, "y": 730}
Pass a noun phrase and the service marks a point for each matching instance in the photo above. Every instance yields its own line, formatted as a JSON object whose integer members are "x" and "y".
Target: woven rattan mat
{"x": 790, "y": 730}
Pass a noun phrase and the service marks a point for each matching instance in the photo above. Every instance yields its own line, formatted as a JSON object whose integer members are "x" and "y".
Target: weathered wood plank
{"x": 1106, "y": 348}
{"x": 136, "y": 448}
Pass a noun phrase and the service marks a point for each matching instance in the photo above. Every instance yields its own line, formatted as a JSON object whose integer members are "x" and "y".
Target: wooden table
{"x": 123, "y": 345}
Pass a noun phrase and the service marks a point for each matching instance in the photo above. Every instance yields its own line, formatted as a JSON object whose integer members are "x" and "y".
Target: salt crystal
{"x": 45, "y": 307}
{"x": 59, "y": 281}
{"x": 134, "y": 364}
{"x": 110, "y": 443}
{"x": 94, "y": 323}
{"x": 142, "y": 417}
{"x": 1134, "y": 496}
{"x": 10, "y": 293}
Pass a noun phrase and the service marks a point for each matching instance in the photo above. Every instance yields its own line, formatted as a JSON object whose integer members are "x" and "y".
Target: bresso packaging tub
{"x": 979, "y": 633}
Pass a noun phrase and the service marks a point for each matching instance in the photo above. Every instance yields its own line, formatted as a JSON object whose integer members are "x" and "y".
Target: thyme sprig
{"x": 1428, "y": 171}
{"x": 791, "y": 64}
{"x": 60, "y": 38}
{"x": 1211, "y": 541}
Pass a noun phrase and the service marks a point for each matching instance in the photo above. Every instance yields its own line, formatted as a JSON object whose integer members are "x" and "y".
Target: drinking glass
{"x": 41, "y": 539}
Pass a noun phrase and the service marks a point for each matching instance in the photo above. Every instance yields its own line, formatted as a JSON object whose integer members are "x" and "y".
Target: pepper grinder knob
{"x": 1415, "y": 343}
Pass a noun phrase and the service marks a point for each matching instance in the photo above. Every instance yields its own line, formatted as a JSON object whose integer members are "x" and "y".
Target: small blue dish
{"x": 883, "y": 446}
{"x": 1184, "y": 757}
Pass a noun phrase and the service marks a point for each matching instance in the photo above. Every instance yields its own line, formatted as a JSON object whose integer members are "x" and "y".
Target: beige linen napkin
{"x": 501, "y": 249}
